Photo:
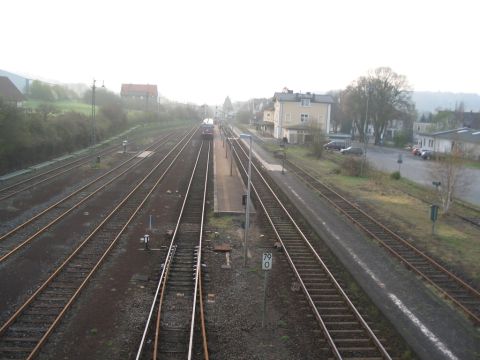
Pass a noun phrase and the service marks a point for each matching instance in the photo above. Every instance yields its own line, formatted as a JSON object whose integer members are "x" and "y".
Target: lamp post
{"x": 93, "y": 111}
{"x": 365, "y": 128}
{"x": 247, "y": 207}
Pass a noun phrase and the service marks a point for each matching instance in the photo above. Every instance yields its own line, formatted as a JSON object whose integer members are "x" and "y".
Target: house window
{"x": 430, "y": 143}
{"x": 305, "y": 102}
{"x": 303, "y": 117}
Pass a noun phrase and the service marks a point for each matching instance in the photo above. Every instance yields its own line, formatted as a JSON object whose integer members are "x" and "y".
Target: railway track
{"x": 444, "y": 281}
{"x": 346, "y": 332}
{"x": 171, "y": 328}
{"x": 35, "y": 180}
{"x": 23, "y": 335}
{"x": 23, "y": 234}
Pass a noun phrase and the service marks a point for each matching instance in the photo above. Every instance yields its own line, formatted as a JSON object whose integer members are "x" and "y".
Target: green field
{"x": 62, "y": 106}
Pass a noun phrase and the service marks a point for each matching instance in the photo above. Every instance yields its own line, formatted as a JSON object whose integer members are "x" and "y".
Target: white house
{"x": 465, "y": 139}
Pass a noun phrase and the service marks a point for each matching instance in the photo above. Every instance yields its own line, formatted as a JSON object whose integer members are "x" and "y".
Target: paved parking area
{"x": 418, "y": 170}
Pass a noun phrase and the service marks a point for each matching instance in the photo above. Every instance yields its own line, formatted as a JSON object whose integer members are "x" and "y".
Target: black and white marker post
{"x": 267, "y": 260}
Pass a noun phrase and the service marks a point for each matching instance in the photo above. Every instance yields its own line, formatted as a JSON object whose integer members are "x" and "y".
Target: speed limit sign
{"x": 267, "y": 260}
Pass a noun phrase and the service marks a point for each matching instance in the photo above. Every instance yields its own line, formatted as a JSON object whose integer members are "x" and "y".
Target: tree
{"x": 45, "y": 109}
{"x": 449, "y": 170}
{"x": 318, "y": 140}
{"x": 243, "y": 116}
{"x": 340, "y": 121}
{"x": 377, "y": 99}
{"x": 227, "y": 105}
{"x": 102, "y": 97}
{"x": 41, "y": 91}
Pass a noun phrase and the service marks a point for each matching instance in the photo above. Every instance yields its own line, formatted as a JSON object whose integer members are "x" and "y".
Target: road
{"x": 418, "y": 170}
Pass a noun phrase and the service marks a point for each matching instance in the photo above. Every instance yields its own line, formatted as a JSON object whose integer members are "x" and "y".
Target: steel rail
{"x": 58, "y": 318}
{"x": 163, "y": 280}
{"x": 198, "y": 272}
{"x": 84, "y": 160}
{"x": 317, "y": 183}
{"x": 76, "y": 205}
{"x": 318, "y": 316}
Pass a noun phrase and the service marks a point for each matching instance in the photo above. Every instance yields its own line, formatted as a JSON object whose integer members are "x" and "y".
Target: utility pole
{"x": 365, "y": 128}
{"x": 93, "y": 111}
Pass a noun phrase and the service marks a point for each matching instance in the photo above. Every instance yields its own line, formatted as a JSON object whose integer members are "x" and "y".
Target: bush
{"x": 352, "y": 166}
{"x": 395, "y": 175}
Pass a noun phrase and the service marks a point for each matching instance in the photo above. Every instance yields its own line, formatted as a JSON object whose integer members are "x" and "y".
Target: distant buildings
{"x": 22, "y": 83}
{"x": 9, "y": 93}
{"x": 464, "y": 139}
{"x": 141, "y": 96}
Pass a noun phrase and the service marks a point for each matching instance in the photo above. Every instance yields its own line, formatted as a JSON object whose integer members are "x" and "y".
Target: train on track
{"x": 207, "y": 129}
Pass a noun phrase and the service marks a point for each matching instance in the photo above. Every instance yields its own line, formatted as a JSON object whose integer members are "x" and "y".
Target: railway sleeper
{"x": 348, "y": 334}
{"x": 301, "y": 253}
{"x": 332, "y": 310}
{"x": 48, "y": 304}
{"x": 345, "y": 325}
{"x": 339, "y": 318}
{"x": 359, "y": 352}
{"x": 181, "y": 280}
{"x": 319, "y": 295}
{"x": 41, "y": 311}
{"x": 307, "y": 262}
{"x": 26, "y": 328}
{"x": 14, "y": 350}
{"x": 314, "y": 276}
{"x": 314, "y": 280}
{"x": 313, "y": 264}
{"x": 19, "y": 339}
{"x": 35, "y": 319}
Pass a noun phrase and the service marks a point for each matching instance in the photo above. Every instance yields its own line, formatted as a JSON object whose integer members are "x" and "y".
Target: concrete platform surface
{"x": 228, "y": 189}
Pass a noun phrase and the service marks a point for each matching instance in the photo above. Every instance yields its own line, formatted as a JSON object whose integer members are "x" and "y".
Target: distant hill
{"x": 427, "y": 101}
{"x": 23, "y": 83}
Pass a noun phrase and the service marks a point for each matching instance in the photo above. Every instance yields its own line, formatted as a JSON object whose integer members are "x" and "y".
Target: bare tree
{"x": 377, "y": 99}
{"x": 318, "y": 139}
{"x": 450, "y": 176}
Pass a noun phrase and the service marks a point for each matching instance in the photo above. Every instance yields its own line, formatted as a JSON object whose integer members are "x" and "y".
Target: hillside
{"x": 427, "y": 101}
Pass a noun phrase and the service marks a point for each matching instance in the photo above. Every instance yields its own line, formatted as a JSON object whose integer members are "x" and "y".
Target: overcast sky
{"x": 202, "y": 51}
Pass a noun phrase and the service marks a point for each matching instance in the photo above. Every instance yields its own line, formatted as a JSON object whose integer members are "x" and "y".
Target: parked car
{"x": 416, "y": 151}
{"x": 427, "y": 154}
{"x": 352, "y": 150}
{"x": 334, "y": 145}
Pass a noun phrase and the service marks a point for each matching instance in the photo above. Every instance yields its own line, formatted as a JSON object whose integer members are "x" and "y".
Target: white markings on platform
{"x": 145, "y": 154}
{"x": 266, "y": 165}
{"x": 431, "y": 336}
{"x": 404, "y": 309}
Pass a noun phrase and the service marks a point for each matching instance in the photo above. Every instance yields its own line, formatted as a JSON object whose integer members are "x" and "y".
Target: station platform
{"x": 228, "y": 189}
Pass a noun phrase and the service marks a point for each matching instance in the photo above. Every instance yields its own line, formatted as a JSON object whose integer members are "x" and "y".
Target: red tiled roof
{"x": 8, "y": 91}
{"x": 138, "y": 89}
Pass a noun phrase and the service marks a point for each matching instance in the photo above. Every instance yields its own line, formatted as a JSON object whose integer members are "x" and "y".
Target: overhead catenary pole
{"x": 93, "y": 113}
{"x": 247, "y": 208}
